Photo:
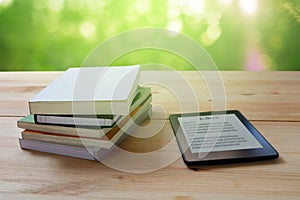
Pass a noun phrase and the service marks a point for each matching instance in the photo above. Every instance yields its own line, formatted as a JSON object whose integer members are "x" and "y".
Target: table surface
{"x": 269, "y": 99}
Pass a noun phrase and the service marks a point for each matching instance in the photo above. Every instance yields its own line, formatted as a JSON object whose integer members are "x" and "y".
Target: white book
{"x": 144, "y": 96}
{"x": 89, "y": 90}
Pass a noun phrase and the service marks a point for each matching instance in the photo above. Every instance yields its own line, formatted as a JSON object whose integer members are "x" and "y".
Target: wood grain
{"x": 260, "y": 96}
{"x": 269, "y": 99}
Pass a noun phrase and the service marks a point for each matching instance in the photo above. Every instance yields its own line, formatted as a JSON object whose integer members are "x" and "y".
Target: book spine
{"x": 73, "y": 121}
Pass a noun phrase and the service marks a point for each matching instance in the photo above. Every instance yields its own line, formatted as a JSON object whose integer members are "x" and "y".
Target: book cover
{"x": 103, "y": 121}
{"x": 88, "y": 90}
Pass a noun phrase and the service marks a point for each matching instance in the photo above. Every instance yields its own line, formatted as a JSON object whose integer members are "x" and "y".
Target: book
{"x": 106, "y": 141}
{"x": 77, "y": 152}
{"x": 92, "y": 120}
{"x": 93, "y": 132}
{"x": 73, "y": 151}
{"x": 144, "y": 96}
{"x": 85, "y": 120}
{"x": 88, "y": 91}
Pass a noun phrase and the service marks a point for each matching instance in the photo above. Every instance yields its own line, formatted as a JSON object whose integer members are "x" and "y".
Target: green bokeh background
{"x": 238, "y": 34}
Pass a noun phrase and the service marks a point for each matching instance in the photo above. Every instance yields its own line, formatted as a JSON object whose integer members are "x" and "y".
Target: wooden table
{"x": 271, "y": 100}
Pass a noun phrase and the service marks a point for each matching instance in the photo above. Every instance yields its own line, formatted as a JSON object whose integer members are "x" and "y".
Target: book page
{"x": 215, "y": 133}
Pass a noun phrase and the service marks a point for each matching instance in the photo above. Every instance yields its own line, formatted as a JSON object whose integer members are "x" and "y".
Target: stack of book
{"x": 86, "y": 112}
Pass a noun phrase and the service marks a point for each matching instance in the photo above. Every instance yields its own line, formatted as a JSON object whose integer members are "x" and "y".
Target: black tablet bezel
{"x": 192, "y": 160}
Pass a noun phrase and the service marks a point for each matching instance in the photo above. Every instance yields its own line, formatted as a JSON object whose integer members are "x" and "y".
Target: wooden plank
{"x": 162, "y": 195}
{"x": 34, "y": 175}
{"x": 269, "y": 96}
{"x": 259, "y": 95}
{"x": 27, "y": 78}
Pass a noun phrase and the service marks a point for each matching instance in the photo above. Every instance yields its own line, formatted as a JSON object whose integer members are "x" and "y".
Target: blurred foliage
{"x": 238, "y": 34}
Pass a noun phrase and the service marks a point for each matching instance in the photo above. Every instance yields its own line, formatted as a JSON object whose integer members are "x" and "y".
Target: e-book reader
{"x": 221, "y": 137}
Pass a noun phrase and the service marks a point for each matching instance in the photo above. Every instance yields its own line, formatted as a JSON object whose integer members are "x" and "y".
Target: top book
{"x": 88, "y": 91}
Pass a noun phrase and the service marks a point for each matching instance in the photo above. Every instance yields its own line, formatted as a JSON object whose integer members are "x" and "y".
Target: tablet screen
{"x": 219, "y": 137}
{"x": 214, "y": 133}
